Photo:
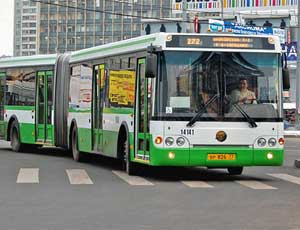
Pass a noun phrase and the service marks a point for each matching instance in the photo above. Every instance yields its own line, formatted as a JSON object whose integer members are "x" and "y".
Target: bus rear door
{"x": 99, "y": 77}
{"x": 2, "y": 101}
{"x": 44, "y": 102}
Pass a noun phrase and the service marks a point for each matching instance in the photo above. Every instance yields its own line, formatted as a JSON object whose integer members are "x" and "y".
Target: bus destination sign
{"x": 220, "y": 42}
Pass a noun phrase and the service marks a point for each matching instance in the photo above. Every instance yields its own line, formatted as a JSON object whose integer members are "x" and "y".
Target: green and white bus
{"x": 161, "y": 100}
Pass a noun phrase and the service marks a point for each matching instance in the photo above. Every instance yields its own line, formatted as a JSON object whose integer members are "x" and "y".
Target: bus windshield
{"x": 237, "y": 82}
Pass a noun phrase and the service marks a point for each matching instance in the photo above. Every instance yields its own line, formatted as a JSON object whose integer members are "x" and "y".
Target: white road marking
{"x": 254, "y": 184}
{"x": 28, "y": 176}
{"x": 132, "y": 180}
{"x": 78, "y": 176}
{"x": 197, "y": 184}
{"x": 286, "y": 177}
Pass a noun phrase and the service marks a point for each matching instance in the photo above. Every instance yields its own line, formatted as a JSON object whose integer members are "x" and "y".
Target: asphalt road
{"x": 48, "y": 190}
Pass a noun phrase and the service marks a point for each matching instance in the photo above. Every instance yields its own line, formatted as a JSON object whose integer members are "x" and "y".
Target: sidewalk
{"x": 293, "y": 133}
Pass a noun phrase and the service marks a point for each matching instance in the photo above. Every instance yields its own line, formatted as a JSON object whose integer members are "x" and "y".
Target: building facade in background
{"x": 70, "y": 25}
{"x": 25, "y": 30}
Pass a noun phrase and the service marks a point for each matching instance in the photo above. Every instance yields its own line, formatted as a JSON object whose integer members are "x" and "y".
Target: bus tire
{"x": 130, "y": 166}
{"x": 77, "y": 155}
{"x": 15, "y": 140}
{"x": 235, "y": 170}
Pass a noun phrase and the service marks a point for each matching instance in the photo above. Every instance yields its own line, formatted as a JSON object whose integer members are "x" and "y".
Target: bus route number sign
{"x": 220, "y": 42}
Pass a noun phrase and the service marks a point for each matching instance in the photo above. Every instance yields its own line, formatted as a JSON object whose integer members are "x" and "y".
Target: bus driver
{"x": 243, "y": 95}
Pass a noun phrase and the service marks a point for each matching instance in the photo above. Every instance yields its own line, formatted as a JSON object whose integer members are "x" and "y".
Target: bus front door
{"x": 44, "y": 101}
{"x": 99, "y": 77}
{"x": 143, "y": 113}
{"x": 2, "y": 102}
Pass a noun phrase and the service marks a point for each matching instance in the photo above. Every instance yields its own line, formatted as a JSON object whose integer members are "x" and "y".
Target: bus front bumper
{"x": 202, "y": 156}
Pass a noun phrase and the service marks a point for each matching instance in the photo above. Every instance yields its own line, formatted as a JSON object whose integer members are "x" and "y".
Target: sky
{"x": 6, "y": 27}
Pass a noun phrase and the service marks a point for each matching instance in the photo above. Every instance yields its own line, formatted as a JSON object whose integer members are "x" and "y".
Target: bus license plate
{"x": 221, "y": 157}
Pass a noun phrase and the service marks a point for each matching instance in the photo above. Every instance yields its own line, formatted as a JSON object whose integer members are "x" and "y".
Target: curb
{"x": 292, "y": 133}
{"x": 297, "y": 163}
{"x": 292, "y": 136}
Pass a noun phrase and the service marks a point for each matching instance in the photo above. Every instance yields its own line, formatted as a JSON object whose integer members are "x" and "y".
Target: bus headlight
{"x": 169, "y": 141}
{"x": 180, "y": 141}
{"x": 261, "y": 142}
{"x": 270, "y": 156}
{"x": 272, "y": 142}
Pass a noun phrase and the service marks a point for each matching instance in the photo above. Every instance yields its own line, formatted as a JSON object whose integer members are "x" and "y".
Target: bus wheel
{"x": 129, "y": 165}
{"x": 15, "y": 137}
{"x": 235, "y": 170}
{"x": 77, "y": 155}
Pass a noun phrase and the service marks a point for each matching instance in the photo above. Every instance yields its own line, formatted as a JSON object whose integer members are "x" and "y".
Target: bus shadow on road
{"x": 44, "y": 151}
{"x": 193, "y": 174}
{"x": 104, "y": 162}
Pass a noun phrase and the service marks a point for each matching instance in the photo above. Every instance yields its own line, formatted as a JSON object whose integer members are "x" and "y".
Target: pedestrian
{"x": 162, "y": 28}
{"x": 267, "y": 24}
{"x": 178, "y": 28}
{"x": 282, "y": 24}
{"x": 148, "y": 29}
{"x": 251, "y": 23}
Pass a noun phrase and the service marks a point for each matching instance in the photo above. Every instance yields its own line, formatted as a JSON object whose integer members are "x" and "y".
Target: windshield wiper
{"x": 245, "y": 115}
{"x": 201, "y": 111}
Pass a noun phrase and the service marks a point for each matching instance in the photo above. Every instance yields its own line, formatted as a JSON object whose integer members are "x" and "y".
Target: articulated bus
{"x": 212, "y": 100}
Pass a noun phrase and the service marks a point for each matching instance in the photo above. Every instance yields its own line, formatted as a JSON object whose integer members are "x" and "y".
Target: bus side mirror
{"x": 285, "y": 73}
{"x": 285, "y": 78}
{"x": 151, "y": 65}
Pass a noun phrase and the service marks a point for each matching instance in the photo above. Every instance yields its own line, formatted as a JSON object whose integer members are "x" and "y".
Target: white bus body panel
{"x": 204, "y": 133}
{"x": 23, "y": 116}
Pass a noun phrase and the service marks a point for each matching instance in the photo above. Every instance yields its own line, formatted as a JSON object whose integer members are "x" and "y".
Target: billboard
{"x": 231, "y": 27}
{"x": 177, "y": 5}
{"x": 291, "y": 50}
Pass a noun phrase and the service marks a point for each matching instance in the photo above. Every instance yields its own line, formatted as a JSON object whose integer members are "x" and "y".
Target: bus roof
{"x": 159, "y": 39}
{"x": 133, "y": 44}
{"x": 36, "y": 60}
{"x": 124, "y": 46}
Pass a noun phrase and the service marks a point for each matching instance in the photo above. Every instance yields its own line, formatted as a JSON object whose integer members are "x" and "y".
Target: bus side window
{"x": 132, "y": 63}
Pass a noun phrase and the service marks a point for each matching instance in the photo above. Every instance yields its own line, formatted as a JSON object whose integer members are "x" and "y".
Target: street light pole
{"x": 184, "y": 16}
{"x": 297, "y": 123}
{"x": 222, "y": 10}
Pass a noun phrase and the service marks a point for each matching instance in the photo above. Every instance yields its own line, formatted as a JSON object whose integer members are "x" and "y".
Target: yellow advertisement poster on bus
{"x": 121, "y": 87}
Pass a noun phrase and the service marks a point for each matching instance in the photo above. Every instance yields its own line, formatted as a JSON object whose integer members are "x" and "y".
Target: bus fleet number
{"x": 187, "y": 132}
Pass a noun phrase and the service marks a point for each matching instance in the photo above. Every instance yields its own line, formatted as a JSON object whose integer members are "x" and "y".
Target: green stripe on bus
{"x": 100, "y": 49}
{"x": 18, "y": 107}
{"x": 21, "y": 60}
{"x": 72, "y": 110}
{"x": 2, "y": 74}
{"x": 118, "y": 110}
{"x": 2, "y": 129}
